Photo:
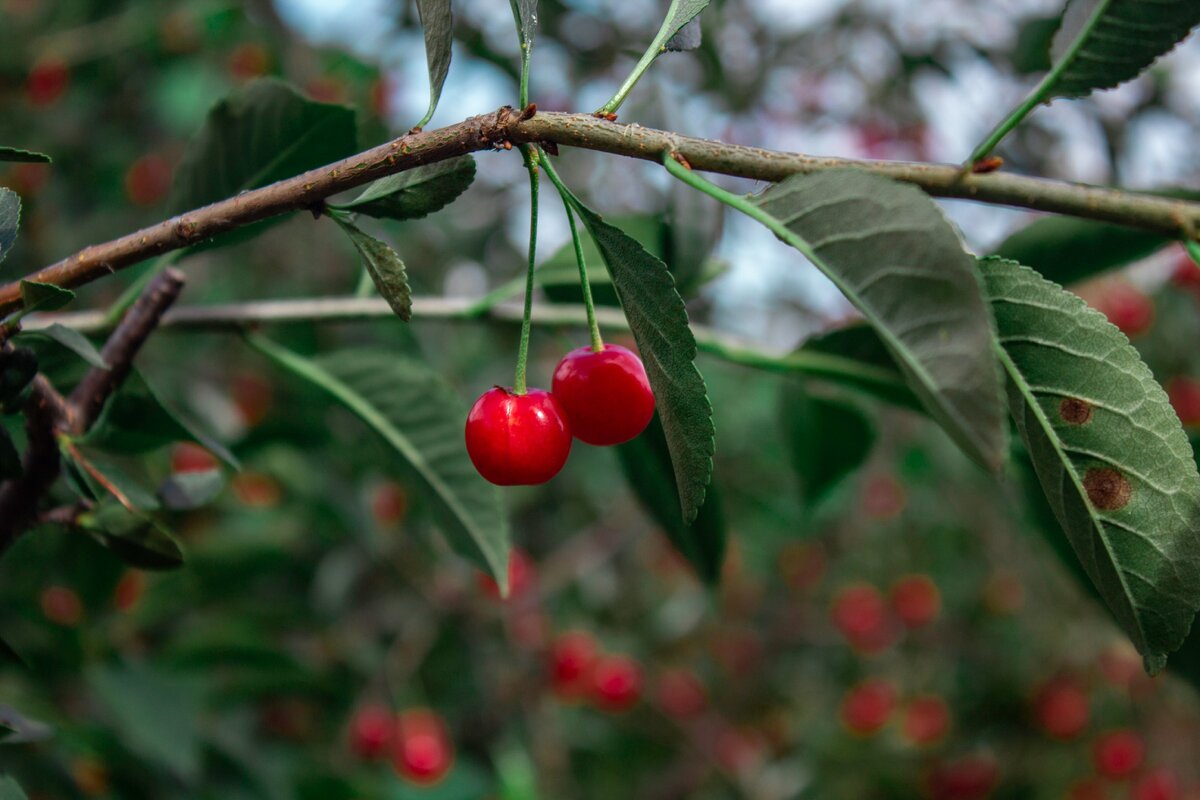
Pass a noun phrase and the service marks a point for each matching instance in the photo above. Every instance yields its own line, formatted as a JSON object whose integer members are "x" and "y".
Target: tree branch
{"x": 45, "y": 414}
{"x": 1170, "y": 217}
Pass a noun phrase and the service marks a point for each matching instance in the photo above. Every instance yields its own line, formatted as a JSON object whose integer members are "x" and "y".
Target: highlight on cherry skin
{"x": 517, "y": 439}
{"x": 605, "y": 394}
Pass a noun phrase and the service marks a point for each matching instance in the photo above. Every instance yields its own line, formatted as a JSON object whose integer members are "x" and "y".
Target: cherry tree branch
{"x": 1170, "y": 217}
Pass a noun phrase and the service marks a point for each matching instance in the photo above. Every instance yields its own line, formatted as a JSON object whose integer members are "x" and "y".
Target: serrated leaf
{"x": 261, "y": 134}
{"x": 44, "y": 296}
{"x": 1109, "y": 452}
{"x": 417, "y": 414}
{"x": 659, "y": 322}
{"x": 74, "y": 341}
{"x": 383, "y": 265}
{"x": 184, "y": 491}
{"x": 10, "y": 789}
{"x": 10, "y": 459}
{"x": 437, "y": 21}
{"x": 16, "y": 155}
{"x": 10, "y": 219}
{"x": 415, "y": 193}
{"x": 826, "y": 440}
{"x": 892, "y": 253}
{"x": 646, "y": 462}
{"x": 134, "y": 538}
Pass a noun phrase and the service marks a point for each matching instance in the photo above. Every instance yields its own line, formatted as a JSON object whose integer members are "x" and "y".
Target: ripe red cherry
{"x": 860, "y": 613}
{"x": 423, "y": 752}
{"x": 1159, "y": 784}
{"x": 916, "y": 600}
{"x": 1061, "y": 709}
{"x": 606, "y": 395}
{"x": 61, "y": 605}
{"x": 867, "y": 706}
{"x": 518, "y": 439}
{"x": 1118, "y": 754}
{"x": 189, "y": 457}
{"x": 47, "y": 82}
{"x": 148, "y": 180}
{"x": 926, "y": 720}
{"x": 371, "y": 731}
{"x": 616, "y": 683}
{"x": 571, "y": 659}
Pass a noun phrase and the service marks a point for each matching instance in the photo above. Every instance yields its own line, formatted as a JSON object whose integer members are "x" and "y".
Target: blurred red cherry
{"x": 1118, "y": 754}
{"x": 148, "y": 180}
{"x": 883, "y": 497}
{"x": 1184, "y": 394}
{"x": 1125, "y": 305}
{"x": 28, "y": 179}
{"x": 1088, "y": 789}
{"x": 966, "y": 778}
{"x": 616, "y": 683}
{"x": 738, "y": 749}
{"x": 326, "y": 89}
{"x": 256, "y": 490}
{"x": 253, "y": 397}
{"x": 61, "y": 605}
{"x": 1061, "y": 708}
{"x": 389, "y": 504}
{"x": 868, "y": 706}
{"x": 916, "y": 600}
{"x": 191, "y": 457}
{"x": 129, "y": 590}
{"x": 572, "y": 657}
{"x": 680, "y": 694}
{"x": 522, "y": 576}
{"x": 372, "y": 729}
{"x": 860, "y": 613}
{"x": 1186, "y": 273}
{"x": 1158, "y": 784}
{"x": 381, "y": 97}
{"x": 423, "y": 751}
{"x": 926, "y": 720}
{"x": 47, "y": 82}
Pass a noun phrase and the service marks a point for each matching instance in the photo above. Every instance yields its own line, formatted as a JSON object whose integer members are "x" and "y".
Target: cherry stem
{"x": 584, "y": 283}
{"x": 531, "y": 164}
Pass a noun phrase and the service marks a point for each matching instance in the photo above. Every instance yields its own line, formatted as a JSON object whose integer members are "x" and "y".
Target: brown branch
{"x": 45, "y": 414}
{"x": 1170, "y": 217}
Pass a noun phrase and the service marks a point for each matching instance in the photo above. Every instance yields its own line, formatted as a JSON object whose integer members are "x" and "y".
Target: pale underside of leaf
{"x": 1109, "y": 452}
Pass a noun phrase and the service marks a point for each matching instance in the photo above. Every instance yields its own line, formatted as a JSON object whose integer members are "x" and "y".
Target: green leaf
{"x": 134, "y": 538}
{"x": 18, "y": 367}
{"x": 264, "y": 133}
{"x": 185, "y": 491}
{"x": 826, "y": 440}
{"x": 659, "y": 322}
{"x": 383, "y": 265}
{"x": 680, "y": 14}
{"x": 154, "y": 714}
{"x": 693, "y": 227}
{"x": 8, "y": 655}
{"x": 414, "y": 193}
{"x": 646, "y": 462}
{"x": 417, "y": 414}
{"x": 106, "y": 476}
{"x": 10, "y": 789}
{"x": 10, "y": 219}
{"x": 10, "y": 459}
{"x": 438, "y": 24}
{"x": 1110, "y": 453}
{"x": 526, "y": 14}
{"x": 896, "y": 258}
{"x": 13, "y": 154}
{"x": 688, "y": 37}
{"x": 43, "y": 296}
{"x": 858, "y": 358}
{"x": 74, "y": 341}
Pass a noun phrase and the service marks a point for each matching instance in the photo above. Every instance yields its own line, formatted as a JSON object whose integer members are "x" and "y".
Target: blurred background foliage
{"x": 902, "y": 631}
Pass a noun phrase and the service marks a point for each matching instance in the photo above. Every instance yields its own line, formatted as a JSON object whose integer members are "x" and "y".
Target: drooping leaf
{"x": 414, "y": 193}
{"x": 438, "y": 24}
{"x": 10, "y": 219}
{"x": 10, "y": 789}
{"x": 383, "y": 265}
{"x": 73, "y": 340}
{"x": 14, "y": 154}
{"x": 896, "y": 258}
{"x": 44, "y": 296}
{"x": 10, "y": 459}
{"x": 687, "y": 38}
{"x": 646, "y": 462}
{"x": 412, "y": 409}
{"x": 681, "y": 14}
{"x": 659, "y": 322}
{"x": 826, "y": 440}
{"x": 134, "y": 538}
{"x": 262, "y": 134}
{"x": 1110, "y": 453}
{"x": 184, "y": 491}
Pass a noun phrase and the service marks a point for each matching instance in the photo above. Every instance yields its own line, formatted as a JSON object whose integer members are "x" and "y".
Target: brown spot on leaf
{"x": 1075, "y": 411}
{"x": 1108, "y": 489}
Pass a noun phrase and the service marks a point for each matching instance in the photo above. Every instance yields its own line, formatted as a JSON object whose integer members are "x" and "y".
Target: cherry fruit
{"x": 605, "y": 394}
{"x": 616, "y": 683}
{"x": 423, "y": 752}
{"x": 867, "y": 707}
{"x": 371, "y": 731}
{"x": 571, "y": 660}
{"x": 926, "y": 720}
{"x": 916, "y": 600}
{"x": 1062, "y": 708}
{"x": 518, "y": 439}
{"x": 1118, "y": 754}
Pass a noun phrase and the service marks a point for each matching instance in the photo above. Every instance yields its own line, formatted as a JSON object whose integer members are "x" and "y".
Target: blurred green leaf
{"x": 1032, "y": 50}
{"x": 10, "y": 459}
{"x": 516, "y": 773}
{"x": 73, "y": 340}
{"x": 414, "y": 193}
{"x": 827, "y": 440}
{"x": 646, "y": 461}
{"x": 418, "y": 415}
{"x": 1109, "y": 451}
{"x": 134, "y": 538}
{"x": 527, "y": 17}
{"x": 893, "y": 254}
{"x": 659, "y": 321}
{"x": 184, "y": 491}
{"x": 42, "y": 296}
{"x": 13, "y": 154}
{"x": 10, "y": 789}
{"x": 383, "y": 265}
{"x": 18, "y": 367}
{"x": 106, "y": 476}
{"x": 858, "y": 358}
{"x": 10, "y": 221}
{"x": 437, "y": 21}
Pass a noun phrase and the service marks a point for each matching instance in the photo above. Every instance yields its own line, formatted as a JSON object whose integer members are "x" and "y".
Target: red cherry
{"x": 190, "y": 457}
{"x": 61, "y": 606}
{"x": 1186, "y": 272}
{"x": 1118, "y": 754}
{"x": 867, "y": 707}
{"x": 606, "y": 395}
{"x": 148, "y": 180}
{"x": 680, "y": 693}
{"x": 1184, "y": 394}
{"x": 1061, "y": 709}
{"x": 616, "y": 682}
{"x": 860, "y": 613}
{"x": 916, "y": 600}
{"x": 926, "y": 720}
{"x": 966, "y": 778}
{"x": 517, "y": 439}
{"x": 1159, "y": 784}
{"x": 389, "y": 504}
{"x": 371, "y": 732}
{"x": 571, "y": 659}
{"x": 1126, "y": 307}
{"x": 423, "y": 753}
{"x": 522, "y": 575}
{"x": 47, "y": 82}
{"x": 253, "y": 397}
{"x": 129, "y": 590}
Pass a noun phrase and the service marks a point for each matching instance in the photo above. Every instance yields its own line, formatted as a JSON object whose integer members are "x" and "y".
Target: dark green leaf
{"x": 1103, "y": 43}
{"x": 10, "y": 459}
{"x": 43, "y": 296}
{"x": 8, "y": 655}
{"x": 184, "y": 491}
{"x": 10, "y": 219}
{"x": 858, "y": 358}
{"x": 659, "y": 321}
{"x": 1032, "y": 50}
{"x": 384, "y": 266}
{"x": 438, "y": 24}
{"x": 10, "y": 789}
{"x": 73, "y": 340}
{"x": 646, "y": 462}
{"x": 262, "y": 134}
{"x": 13, "y": 154}
{"x": 826, "y": 440}
{"x": 414, "y": 193}
{"x": 527, "y": 16}
{"x": 154, "y": 714}
{"x": 18, "y": 367}
{"x": 417, "y": 414}
{"x": 1110, "y": 453}
{"x": 896, "y": 258}
{"x": 134, "y": 538}
{"x": 105, "y": 475}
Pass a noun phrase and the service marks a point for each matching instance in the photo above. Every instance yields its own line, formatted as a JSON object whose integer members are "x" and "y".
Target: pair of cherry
{"x": 601, "y": 397}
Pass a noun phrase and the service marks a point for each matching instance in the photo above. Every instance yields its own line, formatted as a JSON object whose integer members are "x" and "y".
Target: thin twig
{"x": 45, "y": 414}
